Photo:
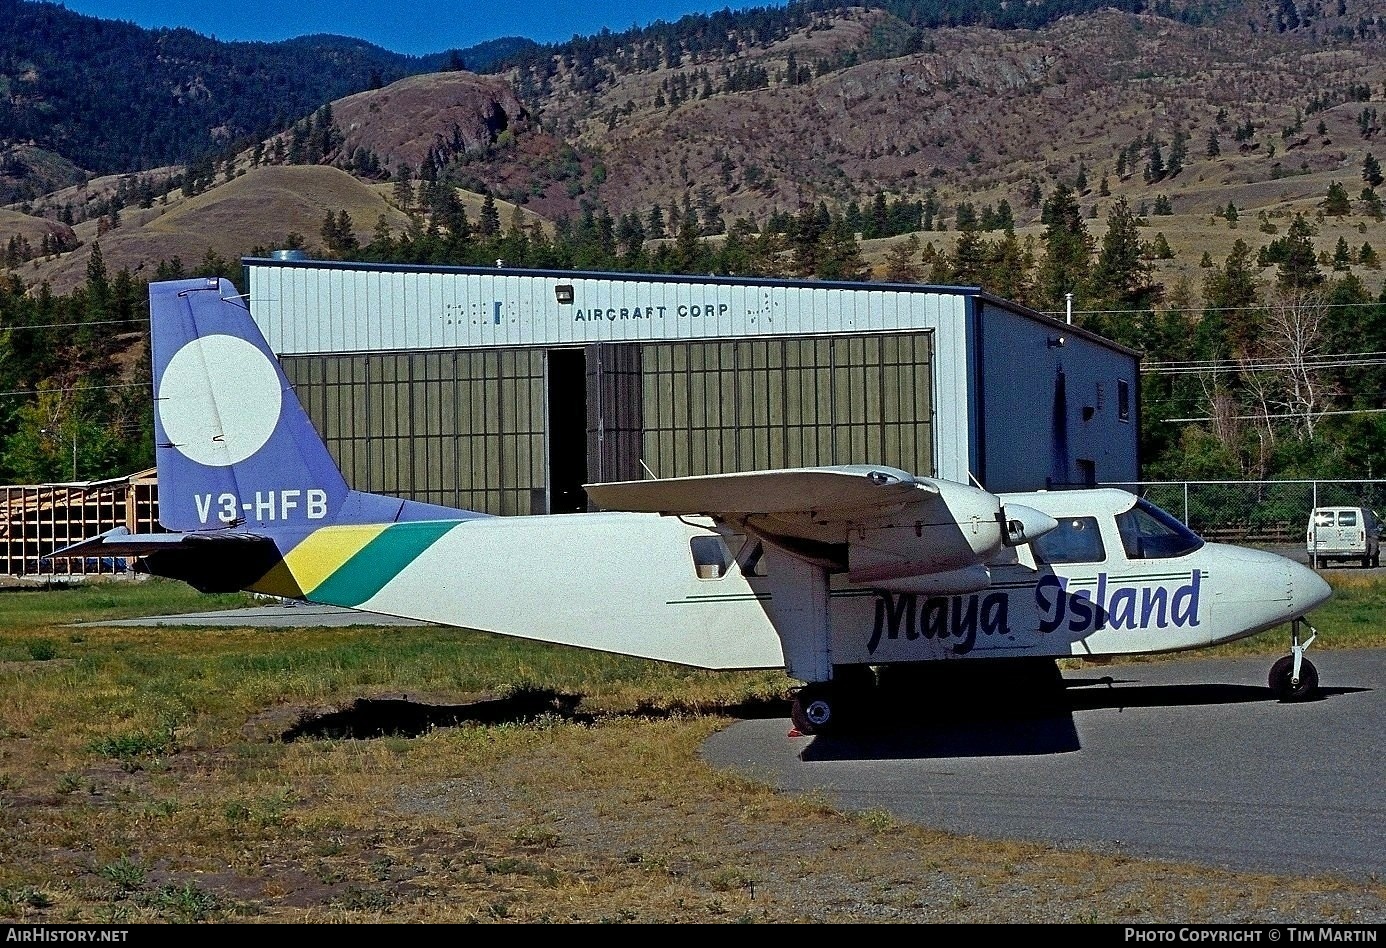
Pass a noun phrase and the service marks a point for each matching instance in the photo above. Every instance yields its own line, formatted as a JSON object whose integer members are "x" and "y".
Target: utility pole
{"x": 52, "y": 432}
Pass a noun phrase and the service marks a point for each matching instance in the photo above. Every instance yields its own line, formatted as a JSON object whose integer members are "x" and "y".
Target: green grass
{"x": 61, "y": 604}
{"x": 142, "y": 778}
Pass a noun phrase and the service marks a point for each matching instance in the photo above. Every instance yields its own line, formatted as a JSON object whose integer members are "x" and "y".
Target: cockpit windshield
{"x": 1149, "y": 533}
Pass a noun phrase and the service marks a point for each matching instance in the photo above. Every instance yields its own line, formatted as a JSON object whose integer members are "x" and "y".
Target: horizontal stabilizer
{"x": 829, "y": 490}
{"x": 210, "y": 562}
{"x": 121, "y": 542}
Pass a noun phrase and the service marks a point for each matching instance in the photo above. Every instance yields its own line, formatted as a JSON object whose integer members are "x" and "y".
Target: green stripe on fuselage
{"x": 378, "y": 562}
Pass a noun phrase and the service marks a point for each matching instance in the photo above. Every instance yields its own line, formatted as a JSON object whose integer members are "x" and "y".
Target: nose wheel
{"x": 1294, "y": 677}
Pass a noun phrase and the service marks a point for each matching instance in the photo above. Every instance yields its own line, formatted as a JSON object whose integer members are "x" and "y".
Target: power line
{"x": 94, "y": 322}
{"x": 1293, "y": 414}
{"x": 1269, "y": 365}
{"x": 1262, "y": 307}
{"x": 79, "y": 388}
{"x": 1327, "y": 360}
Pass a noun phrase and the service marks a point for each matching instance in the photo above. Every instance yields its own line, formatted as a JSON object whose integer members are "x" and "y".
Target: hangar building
{"x": 505, "y": 390}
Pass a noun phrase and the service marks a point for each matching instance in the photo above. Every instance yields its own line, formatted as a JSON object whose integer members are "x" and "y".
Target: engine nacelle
{"x": 947, "y": 531}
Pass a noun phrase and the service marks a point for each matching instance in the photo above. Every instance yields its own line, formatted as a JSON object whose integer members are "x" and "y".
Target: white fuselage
{"x": 629, "y": 583}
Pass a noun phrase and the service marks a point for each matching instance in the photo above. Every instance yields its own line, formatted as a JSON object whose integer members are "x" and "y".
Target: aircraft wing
{"x": 829, "y": 491}
{"x": 879, "y": 524}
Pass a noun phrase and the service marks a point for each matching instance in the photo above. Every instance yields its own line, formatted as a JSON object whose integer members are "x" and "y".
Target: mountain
{"x": 1151, "y": 161}
{"x": 966, "y": 117}
{"x": 110, "y": 96}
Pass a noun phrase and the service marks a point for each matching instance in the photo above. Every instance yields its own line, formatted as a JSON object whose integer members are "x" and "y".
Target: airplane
{"x": 825, "y": 572}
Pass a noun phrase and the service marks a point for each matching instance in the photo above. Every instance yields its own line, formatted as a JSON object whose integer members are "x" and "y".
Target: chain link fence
{"x": 1255, "y": 513}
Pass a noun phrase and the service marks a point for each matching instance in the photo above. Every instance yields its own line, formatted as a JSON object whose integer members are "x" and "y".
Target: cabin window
{"x": 710, "y": 557}
{"x": 1149, "y": 533}
{"x": 1347, "y": 518}
{"x": 1323, "y": 518}
{"x": 1074, "y": 540}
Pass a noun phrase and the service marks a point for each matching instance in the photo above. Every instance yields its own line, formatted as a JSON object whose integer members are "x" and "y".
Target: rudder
{"x": 233, "y": 445}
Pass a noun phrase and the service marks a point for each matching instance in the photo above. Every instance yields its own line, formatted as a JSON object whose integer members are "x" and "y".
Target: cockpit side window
{"x": 1149, "y": 533}
{"x": 1074, "y": 540}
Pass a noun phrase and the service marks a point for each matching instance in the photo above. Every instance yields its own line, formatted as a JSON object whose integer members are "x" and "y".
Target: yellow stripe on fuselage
{"x": 322, "y": 553}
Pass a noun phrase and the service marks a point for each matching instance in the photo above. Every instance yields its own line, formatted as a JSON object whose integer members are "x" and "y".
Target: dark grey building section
{"x": 1058, "y": 404}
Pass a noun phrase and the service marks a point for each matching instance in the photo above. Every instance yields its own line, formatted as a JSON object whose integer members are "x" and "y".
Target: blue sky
{"x": 405, "y": 26}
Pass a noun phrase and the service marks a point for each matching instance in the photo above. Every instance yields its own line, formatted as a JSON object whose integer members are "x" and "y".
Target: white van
{"x": 1344, "y": 533}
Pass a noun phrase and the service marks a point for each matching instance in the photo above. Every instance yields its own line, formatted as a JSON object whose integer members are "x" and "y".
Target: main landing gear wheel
{"x": 814, "y": 710}
{"x": 1294, "y": 677}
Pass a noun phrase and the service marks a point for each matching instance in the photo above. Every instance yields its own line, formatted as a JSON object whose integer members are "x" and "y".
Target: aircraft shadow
{"x": 368, "y": 718}
{"x": 401, "y": 717}
{"x": 892, "y": 726}
{"x": 1036, "y": 724}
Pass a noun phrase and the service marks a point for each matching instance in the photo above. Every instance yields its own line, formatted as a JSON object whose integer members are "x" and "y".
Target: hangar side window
{"x": 1074, "y": 540}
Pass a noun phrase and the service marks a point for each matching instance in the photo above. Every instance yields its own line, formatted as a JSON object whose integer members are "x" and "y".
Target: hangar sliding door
{"x": 458, "y": 428}
{"x": 478, "y": 429}
{"x": 711, "y": 407}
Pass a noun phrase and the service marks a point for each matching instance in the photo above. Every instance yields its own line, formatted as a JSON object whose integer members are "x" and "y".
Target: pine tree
{"x": 1336, "y": 204}
{"x": 1155, "y": 165}
{"x": 902, "y": 261}
{"x": 1299, "y": 269}
{"x": 1122, "y": 275}
{"x": 1230, "y": 293}
{"x": 969, "y": 256}
{"x": 1342, "y": 256}
{"x": 1067, "y": 248}
{"x": 655, "y": 224}
{"x": 1371, "y": 171}
{"x": 489, "y": 225}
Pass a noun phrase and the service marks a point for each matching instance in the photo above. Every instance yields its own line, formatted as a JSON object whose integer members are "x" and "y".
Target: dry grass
{"x": 141, "y": 778}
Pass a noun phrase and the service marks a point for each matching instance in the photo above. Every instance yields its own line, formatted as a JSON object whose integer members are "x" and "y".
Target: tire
{"x": 814, "y": 711}
{"x": 1284, "y": 689}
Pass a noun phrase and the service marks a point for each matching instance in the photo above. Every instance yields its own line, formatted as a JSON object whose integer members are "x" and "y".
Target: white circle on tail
{"x": 219, "y": 400}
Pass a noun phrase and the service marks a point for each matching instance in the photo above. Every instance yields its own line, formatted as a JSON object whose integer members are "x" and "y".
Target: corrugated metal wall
{"x": 307, "y": 308}
{"x": 312, "y": 309}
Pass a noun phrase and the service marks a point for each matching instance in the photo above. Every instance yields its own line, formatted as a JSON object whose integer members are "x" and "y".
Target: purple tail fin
{"x": 232, "y": 443}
